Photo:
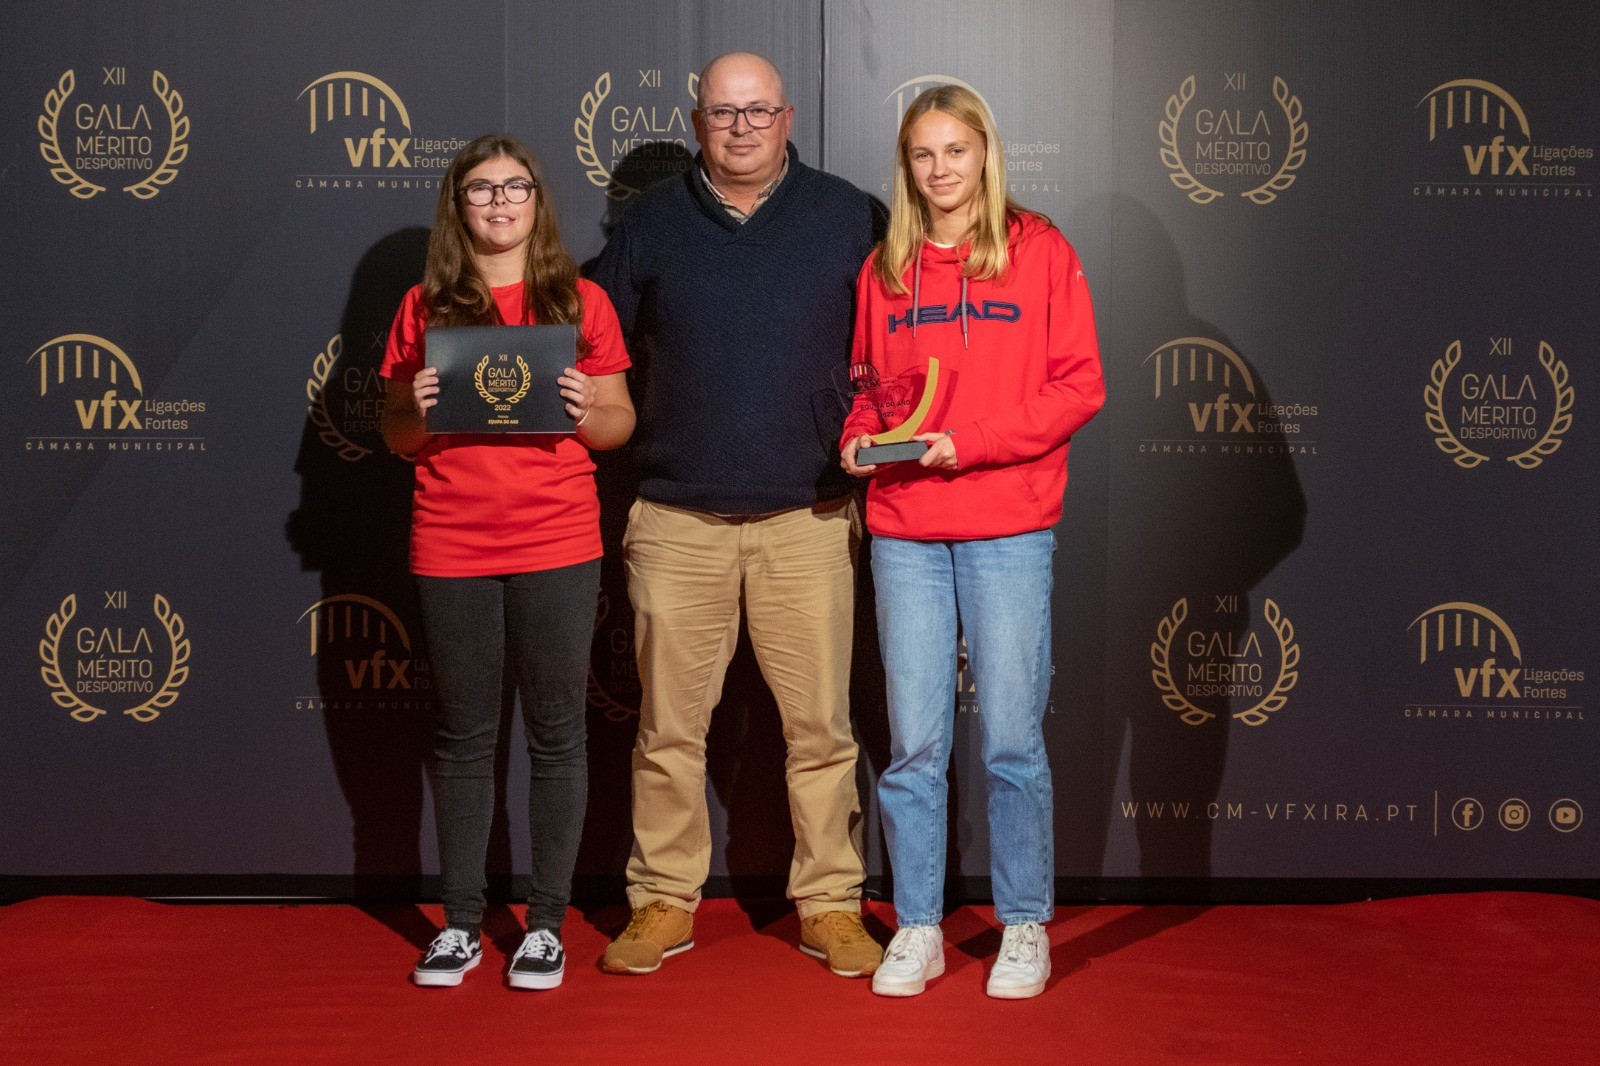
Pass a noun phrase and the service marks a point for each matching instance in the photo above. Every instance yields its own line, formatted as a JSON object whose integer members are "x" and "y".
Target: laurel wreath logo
{"x": 1299, "y": 134}
{"x": 1197, "y": 190}
{"x": 1265, "y": 193}
{"x": 583, "y": 130}
{"x": 177, "y": 148}
{"x": 149, "y": 710}
{"x": 1465, "y": 457}
{"x": 50, "y": 145}
{"x": 50, "y": 142}
{"x": 489, "y": 397}
{"x": 317, "y": 393}
{"x": 1563, "y": 417}
{"x": 1260, "y": 713}
{"x": 1433, "y": 398}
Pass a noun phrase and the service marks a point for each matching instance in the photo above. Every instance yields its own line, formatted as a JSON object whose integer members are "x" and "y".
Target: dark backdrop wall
{"x": 1325, "y": 590}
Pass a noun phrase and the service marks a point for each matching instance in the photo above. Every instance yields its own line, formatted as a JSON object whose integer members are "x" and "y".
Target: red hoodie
{"x": 1025, "y": 378}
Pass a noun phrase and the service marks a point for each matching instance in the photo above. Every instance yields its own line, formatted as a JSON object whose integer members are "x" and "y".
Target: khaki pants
{"x": 686, "y": 571}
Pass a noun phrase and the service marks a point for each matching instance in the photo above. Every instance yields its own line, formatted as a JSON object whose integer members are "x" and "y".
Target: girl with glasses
{"x": 505, "y": 544}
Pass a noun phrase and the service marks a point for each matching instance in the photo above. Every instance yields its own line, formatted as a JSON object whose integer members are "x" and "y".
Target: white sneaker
{"x": 914, "y": 956}
{"x": 1024, "y": 963}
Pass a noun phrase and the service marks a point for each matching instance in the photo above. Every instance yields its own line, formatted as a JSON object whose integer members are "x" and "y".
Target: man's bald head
{"x": 740, "y": 65}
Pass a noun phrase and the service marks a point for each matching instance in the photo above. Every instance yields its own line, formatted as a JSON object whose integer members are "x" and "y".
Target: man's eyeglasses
{"x": 481, "y": 193}
{"x": 760, "y": 116}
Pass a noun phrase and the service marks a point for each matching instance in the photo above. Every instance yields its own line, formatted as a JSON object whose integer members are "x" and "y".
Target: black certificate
{"x": 501, "y": 379}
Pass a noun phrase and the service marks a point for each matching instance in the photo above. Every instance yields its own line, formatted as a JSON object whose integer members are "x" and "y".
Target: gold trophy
{"x": 891, "y": 398}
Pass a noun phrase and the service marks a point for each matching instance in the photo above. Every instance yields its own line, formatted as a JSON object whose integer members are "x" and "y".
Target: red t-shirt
{"x": 504, "y": 503}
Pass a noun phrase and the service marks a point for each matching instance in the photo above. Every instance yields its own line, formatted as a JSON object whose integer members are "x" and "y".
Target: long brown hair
{"x": 908, "y": 213}
{"x": 453, "y": 291}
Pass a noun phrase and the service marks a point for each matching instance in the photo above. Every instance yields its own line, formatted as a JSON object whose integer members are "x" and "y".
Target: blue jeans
{"x": 999, "y": 591}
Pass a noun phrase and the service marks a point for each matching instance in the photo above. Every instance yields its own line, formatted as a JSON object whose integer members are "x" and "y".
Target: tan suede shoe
{"x": 841, "y": 939}
{"x": 656, "y": 931}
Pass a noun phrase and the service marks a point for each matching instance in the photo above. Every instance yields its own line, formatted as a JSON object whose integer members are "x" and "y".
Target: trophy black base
{"x": 873, "y": 454}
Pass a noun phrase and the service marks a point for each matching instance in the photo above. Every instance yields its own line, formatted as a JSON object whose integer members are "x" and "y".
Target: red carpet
{"x": 1491, "y": 978}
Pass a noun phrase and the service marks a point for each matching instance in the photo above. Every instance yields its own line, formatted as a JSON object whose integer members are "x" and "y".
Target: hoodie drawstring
{"x": 916, "y": 292}
{"x": 964, "y": 306}
{"x": 916, "y": 296}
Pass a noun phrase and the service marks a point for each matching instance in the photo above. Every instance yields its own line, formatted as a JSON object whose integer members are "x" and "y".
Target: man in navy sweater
{"x": 734, "y": 283}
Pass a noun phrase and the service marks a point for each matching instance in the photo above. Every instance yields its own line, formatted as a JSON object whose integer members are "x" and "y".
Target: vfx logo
{"x": 374, "y": 131}
{"x": 1479, "y": 141}
{"x": 1219, "y": 393}
{"x": 1461, "y": 626}
{"x": 1468, "y": 102}
{"x": 1487, "y": 671}
{"x": 109, "y": 410}
{"x": 1191, "y": 362}
{"x": 376, "y": 666}
{"x": 350, "y": 94}
{"x": 81, "y": 356}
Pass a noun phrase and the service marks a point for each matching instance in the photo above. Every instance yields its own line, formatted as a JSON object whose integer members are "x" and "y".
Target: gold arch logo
{"x": 370, "y": 641}
{"x": 1223, "y": 387}
{"x": 1492, "y": 676}
{"x": 1495, "y": 403}
{"x": 83, "y": 356}
{"x": 1197, "y": 361}
{"x": 103, "y": 381}
{"x": 1475, "y": 139}
{"x": 352, "y": 94}
{"x": 1459, "y": 625}
{"x": 349, "y": 617}
{"x": 1484, "y": 654}
{"x": 107, "y": 397}
{"x": 1468, "y": 102}
{"x": 1227, "y": 408}
{"x": 640, "y": 136}
{"x": 371, "y": 123}
{"x": 1204, "y": 665}
{"x": 113, "y": 129}
{"x": 1220, "y": 138}
{"x": 114, "y": 660}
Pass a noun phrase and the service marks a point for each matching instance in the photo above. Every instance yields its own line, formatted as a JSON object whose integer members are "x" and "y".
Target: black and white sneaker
{"x": 452, "y": 953}
{"x": 538, "y": 963}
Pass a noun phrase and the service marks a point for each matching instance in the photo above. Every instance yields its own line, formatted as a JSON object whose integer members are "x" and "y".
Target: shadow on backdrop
{"x": 1194, "y": 526}
{"x": 352, "y": 526}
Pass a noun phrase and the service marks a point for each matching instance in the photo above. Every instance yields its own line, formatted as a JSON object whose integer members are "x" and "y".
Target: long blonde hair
{"x": 908, "y": 213}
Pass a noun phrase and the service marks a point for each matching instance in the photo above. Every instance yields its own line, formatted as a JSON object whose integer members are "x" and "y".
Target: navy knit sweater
{"x": 740, "y": 338}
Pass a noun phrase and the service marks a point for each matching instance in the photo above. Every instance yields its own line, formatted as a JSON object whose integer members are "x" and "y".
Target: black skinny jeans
{"x": 543, "y": 623}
